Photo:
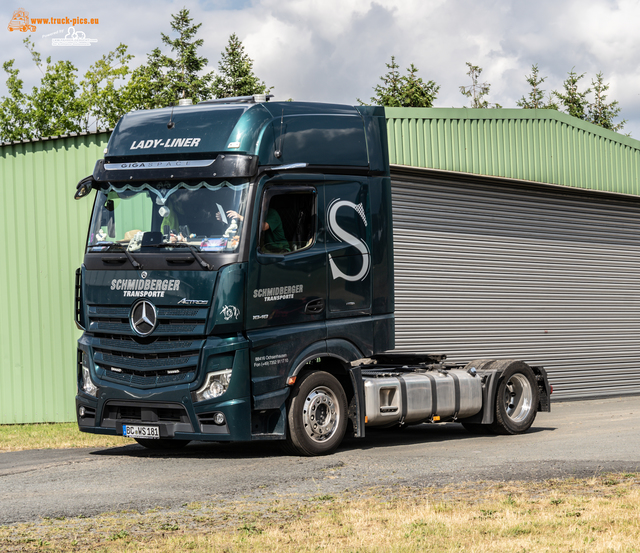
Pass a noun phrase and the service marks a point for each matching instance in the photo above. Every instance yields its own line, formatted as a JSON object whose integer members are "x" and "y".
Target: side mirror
{"x": 84, "y": 187}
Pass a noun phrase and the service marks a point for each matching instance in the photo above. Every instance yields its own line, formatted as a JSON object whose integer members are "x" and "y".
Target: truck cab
{"x": 238, "y": 263}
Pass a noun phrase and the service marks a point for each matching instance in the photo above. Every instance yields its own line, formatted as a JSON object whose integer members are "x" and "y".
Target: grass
{"x": 593, "y": 515}
{"x": 20, "y": 437}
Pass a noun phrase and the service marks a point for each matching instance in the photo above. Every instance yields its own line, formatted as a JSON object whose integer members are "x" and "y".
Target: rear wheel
{"x": 516, "y": 398}
{"x": 317, "y": 417}
{"x": 162, "y": 445}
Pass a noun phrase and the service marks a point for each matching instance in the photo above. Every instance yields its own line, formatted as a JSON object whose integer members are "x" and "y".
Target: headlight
{"x": 214, "y": 386}
{"x": 88, "y": 387}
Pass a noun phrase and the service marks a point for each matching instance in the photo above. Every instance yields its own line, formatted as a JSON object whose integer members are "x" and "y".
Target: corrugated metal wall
{"x": 43, "y": 232}
{"x": 535, "y": 145}
{"x": 490, "y": 269}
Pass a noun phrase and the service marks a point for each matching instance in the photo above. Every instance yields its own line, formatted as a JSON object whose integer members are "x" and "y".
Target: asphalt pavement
{"x": 577, "y": 439}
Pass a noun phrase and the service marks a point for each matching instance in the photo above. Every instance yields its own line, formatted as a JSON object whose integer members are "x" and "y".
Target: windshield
{"x": 207, "y": 216}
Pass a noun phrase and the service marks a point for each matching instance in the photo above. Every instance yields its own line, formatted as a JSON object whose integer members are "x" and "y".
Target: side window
{"x": 288, "y": 219}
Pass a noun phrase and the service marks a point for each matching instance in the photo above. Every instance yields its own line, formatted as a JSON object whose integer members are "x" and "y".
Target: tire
{"x": 162, "y": 444}
{"x": 517, "y": 398}
{"x": 317, "y": 415}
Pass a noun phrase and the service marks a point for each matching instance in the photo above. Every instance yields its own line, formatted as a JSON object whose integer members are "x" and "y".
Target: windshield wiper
{"x": 195, "y": 253}
{"x": 132, "y": 260}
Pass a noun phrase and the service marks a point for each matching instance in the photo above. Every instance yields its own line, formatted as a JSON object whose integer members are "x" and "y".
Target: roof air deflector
{"x": 254, "y": 99}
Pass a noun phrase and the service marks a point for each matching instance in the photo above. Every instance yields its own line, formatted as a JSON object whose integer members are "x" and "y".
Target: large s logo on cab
{"x": 343, "y": 236}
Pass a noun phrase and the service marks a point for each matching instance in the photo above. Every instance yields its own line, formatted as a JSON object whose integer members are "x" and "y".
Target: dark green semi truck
{"x": 238, "y": 285}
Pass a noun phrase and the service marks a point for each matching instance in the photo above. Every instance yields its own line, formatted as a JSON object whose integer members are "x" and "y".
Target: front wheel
{"x": 517, "y": 398}
{"x": 317, "y": 417}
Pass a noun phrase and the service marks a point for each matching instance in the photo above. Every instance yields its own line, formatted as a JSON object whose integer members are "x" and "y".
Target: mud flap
{"x": 356, "y": 406}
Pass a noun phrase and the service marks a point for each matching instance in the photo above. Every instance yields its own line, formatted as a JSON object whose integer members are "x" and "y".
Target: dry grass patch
{"x": 595, "y": 515}
{"x": 20, "y": 437}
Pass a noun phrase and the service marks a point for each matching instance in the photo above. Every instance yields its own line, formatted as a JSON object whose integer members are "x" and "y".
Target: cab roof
{"x": 279, "y": 133}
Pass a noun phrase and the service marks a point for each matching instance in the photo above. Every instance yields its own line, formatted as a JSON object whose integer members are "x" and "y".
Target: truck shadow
{"x": 425, "y": 433}
{"x": 375, "y": 438}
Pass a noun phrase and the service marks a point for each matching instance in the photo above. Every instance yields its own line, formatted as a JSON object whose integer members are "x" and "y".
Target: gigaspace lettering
{"x": 343, "y": 236}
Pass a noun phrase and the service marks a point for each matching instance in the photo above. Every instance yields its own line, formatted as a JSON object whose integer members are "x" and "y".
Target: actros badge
{"x": 143, "y": 318}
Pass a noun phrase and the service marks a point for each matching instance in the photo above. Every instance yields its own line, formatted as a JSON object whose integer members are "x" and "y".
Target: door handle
{"x": 314, "y": 307}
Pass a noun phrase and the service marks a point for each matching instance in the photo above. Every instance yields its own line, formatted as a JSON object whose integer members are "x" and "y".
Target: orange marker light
{"x": 291, "y": 381}
{"x": 366, "y": 419}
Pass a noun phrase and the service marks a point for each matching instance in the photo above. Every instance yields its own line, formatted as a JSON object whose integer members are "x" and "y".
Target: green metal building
{"x": 44, "y": 232}
{"x": 529, "y": 224}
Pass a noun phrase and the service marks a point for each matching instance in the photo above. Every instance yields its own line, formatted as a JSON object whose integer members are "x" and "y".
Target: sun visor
{"x": 181, "y": 132}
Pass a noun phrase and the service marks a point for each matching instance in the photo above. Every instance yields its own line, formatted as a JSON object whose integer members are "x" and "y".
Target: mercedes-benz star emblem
{"x": 143, "y": 318}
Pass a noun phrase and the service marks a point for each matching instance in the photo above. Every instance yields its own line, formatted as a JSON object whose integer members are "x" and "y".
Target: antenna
{"x": 171, "y": 124}
{"x": 278, "y": 152}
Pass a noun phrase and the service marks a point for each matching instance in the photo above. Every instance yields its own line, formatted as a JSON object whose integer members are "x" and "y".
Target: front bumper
{"x": 172, "y": 408}
{"x": 175, "y": 419}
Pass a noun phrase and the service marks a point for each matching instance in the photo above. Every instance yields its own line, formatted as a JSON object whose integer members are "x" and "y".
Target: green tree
{"x": 389, "y": 93}
{"x": 536, "y": 95}
{"x": 574, "y": 102}
{"x": 404, "y": 90}
{"x": 102, "y": 100}
{"x": 183, "y": 79}
{"x": 477, "y": 91}
{"x": 600, "y": 112}
{"x": 235, "y": 73}
{"x": 417, "y": 93}
{"x": 53, "y": 107}
{"x": 59, "y": 105}
{"x": 163, "y": 80}
{"x": 147, "y": 86}
{"x": 15, "y": 112}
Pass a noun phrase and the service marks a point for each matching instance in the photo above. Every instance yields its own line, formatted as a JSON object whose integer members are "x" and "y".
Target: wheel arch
{"x": 492, "y": 371}
{"x": 335, "y": 357}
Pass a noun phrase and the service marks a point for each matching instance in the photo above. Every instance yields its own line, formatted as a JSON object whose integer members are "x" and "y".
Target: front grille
{"x": 106, "y": 319}
{"x": 123, "y": 326}
{"x": 115, "y": 412}
{"x": 111, "y": 311}
{"x": 148, "y": 363}
{"x": 143, "y": 362}
{"x": 129, "y": 343}
{"x": 148, "y": 379}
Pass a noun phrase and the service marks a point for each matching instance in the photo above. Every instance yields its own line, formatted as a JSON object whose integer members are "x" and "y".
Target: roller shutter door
{"x": 490, "y": 269}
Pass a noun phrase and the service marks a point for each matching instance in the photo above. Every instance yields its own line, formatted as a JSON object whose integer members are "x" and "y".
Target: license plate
{"x": 136, "y": 431}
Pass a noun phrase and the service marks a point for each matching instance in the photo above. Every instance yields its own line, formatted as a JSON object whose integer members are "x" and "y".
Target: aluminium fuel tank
{"x": 414, "y": 397}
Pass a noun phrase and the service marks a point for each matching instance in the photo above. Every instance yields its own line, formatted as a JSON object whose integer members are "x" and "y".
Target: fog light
{"x": 219, "y": 419}
{"x": 82, "y": 411}
{"x": 214, "y": 386}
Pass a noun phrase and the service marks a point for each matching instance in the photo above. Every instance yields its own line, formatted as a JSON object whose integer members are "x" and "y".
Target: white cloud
{"x": 336, "y": 50}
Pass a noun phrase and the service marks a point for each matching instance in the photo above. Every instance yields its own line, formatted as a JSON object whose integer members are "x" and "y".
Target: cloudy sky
{"x": 336, "y": 50}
